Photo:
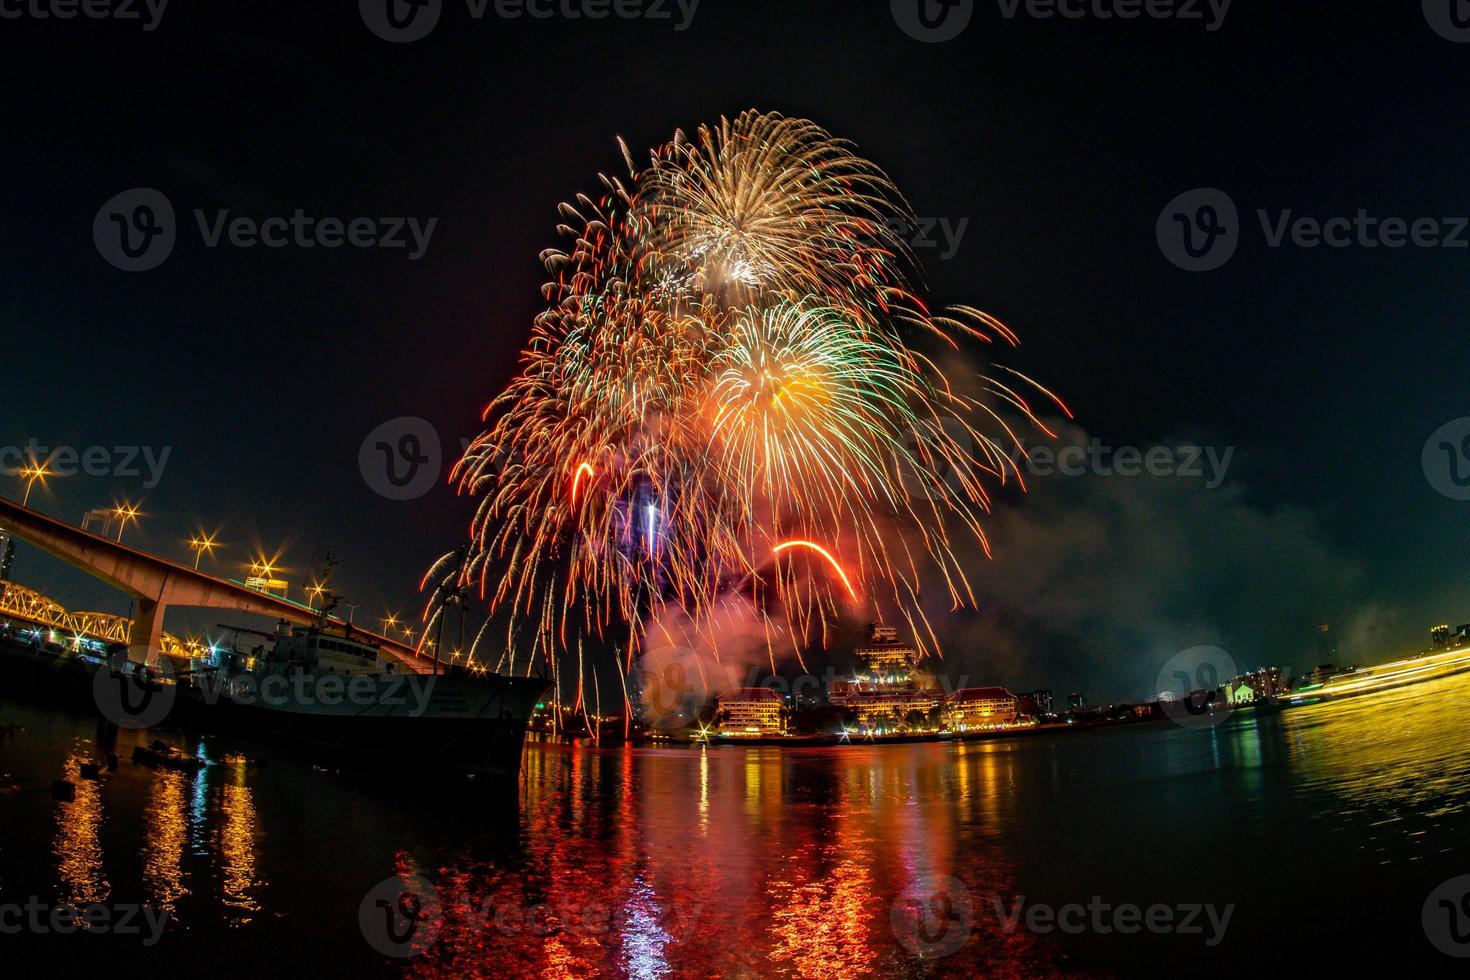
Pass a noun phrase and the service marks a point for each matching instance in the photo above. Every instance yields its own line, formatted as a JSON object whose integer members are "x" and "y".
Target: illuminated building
{"x": 7, "y": 555}
{"x": 751, "y": 711}
{"x": 980, "y": 707}
{"x": 1035, "y": 704}
{"x": 1076, "y": 701}
{"x": 888, "y": 686}
{"x": 1263, "y": 684}
{"x": 885, "y": 654}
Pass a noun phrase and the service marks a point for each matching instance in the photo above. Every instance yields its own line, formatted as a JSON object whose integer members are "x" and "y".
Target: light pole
{"x": 127, "y": 512}
{"x": 33, "y": 473}
{"x": 201, "y": 544}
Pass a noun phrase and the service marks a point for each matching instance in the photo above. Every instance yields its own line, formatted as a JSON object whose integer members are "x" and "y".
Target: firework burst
{"x": 719, "y": 397}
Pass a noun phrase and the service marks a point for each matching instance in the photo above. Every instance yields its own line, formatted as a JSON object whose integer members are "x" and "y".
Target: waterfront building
{"x": 1439, "y": 636}
{"x": 1043, "y": 700}
{"x": 1076, "y": 701}
{"x": 751, "y": 711}
{"x": 888, "y": 686}
{"x": 980, "y": 707}
{"x": 1261, "y": 684}
{"x": 7, "y": 555}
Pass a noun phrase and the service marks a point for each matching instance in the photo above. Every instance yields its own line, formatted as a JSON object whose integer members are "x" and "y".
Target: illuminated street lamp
{"x": 126, "y": 512}
{"x": 264, "y": 577}
{"x": 201, "y": 544}
{"x": 389, "y": 622}
{"x": 32, "y": 473}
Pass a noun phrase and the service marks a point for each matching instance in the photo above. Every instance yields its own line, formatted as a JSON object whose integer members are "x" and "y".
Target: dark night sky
{"x": 1060, "y": 141}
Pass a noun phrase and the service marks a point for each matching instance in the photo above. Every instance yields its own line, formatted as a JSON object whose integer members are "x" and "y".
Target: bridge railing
{"x": 19, "y": 602}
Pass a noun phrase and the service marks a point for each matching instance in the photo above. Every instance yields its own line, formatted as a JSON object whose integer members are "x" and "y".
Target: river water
{"x": 1313, "y": 835}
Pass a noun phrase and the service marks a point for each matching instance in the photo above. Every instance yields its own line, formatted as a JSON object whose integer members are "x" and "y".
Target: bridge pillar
{"x": 146, "y": 640}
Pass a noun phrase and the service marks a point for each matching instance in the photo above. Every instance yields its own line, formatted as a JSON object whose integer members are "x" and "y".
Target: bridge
{"x": 28, "y": 605}
{"x": 154, "y": 584}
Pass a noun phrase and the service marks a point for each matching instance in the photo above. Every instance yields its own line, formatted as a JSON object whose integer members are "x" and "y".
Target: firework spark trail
{"x": 721, "y": 373}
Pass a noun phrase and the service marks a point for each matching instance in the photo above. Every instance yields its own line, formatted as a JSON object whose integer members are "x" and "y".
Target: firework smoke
{"x": 721, "y": 400}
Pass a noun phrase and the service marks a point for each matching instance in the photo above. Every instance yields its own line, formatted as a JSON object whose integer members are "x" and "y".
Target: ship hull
{"x": 418, "y": 724}
{"x": 411, "y": 724}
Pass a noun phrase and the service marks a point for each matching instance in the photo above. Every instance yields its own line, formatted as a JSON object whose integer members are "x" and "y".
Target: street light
{"x": 126, "y": 512}
{"x": 263, "y": 576}
{"x": 202, "y": 543}
{"x": 35, "y": 471}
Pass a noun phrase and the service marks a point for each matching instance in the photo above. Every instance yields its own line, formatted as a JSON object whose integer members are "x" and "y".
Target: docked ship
{"x": 327, "y": 689}
{"x": 338, "y": 694}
